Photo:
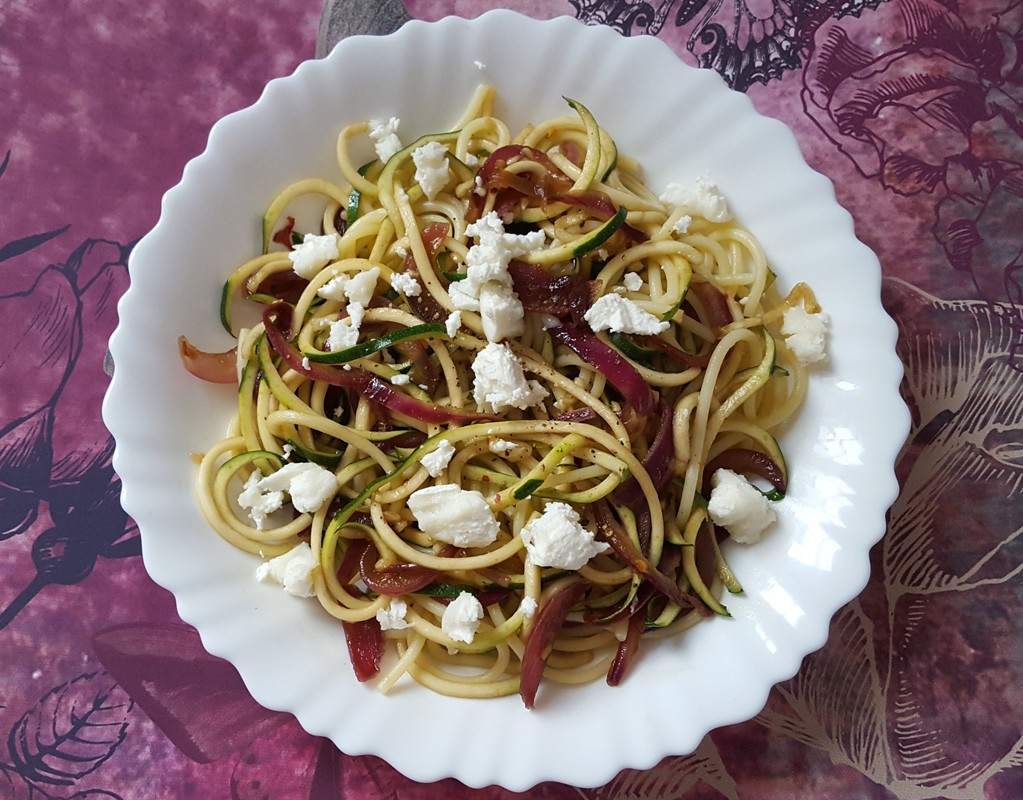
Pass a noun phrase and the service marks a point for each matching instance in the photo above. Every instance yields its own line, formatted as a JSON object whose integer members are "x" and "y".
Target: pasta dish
{"x": 501, "y": 402}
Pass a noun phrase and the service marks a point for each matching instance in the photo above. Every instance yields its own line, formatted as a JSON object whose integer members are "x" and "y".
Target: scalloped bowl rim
{"x": 842, "y": 461}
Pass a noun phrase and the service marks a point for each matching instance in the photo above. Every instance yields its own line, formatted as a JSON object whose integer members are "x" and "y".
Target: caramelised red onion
{"x": 546, "y": 625}
{"x": 277, "y": 319}
{"x": 212, "y": 367}
{"x": 601, "y": 206}
{"x": 627, "y": 649}
{"x": 557, "y": 295}
{"x": 282, "y": 235}
{"x": 493, "y": 176}
{"x": 365, "y": 647}
{"x": 619, "y": 372}
{"x": 393, "y": 580}
{"x": 714, "y": 302}
{"x": 746, "y": 461}
{"x": 424, "y": 304}
{"x": 677, "y": 354}
{"x": 615, "y": 535}
{"x": 396, "y": 401}
{"x": 659, "y": 462}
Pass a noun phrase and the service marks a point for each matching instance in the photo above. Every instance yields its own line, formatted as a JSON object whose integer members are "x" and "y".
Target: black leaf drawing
{"x": 73, "y": 729}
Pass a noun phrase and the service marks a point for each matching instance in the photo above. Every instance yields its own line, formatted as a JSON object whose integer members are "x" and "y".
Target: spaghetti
{"x": 518, "y": 369}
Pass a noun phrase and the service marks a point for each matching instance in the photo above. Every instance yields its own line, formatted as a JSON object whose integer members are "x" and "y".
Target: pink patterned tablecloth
{"x": 912, "y": 107}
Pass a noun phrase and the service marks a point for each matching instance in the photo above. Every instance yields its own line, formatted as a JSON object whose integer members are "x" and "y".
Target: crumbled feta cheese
{"x": 618, "y": 314}
{"x": 633, "y": 281}
{"x": 703, "y": 199}
{"x": 501, "y": 312}
{"x": 487, "y": 266}
{"x": 305, "y": 362}
{"x": 406, "y": 284}
{"x": 500, "y": 446}
{"x": 432, "y": 168}
{"x": 487, "y": 260}
{"x": 293, "y": 570}
{"x": 437, "y": 460}
{"x": 457, "y": 516}
{"x": 288, "y": 450}
{"x": 360, "y": 287}
{"x": 461, "y": 618}
{"x": 528, "y": 607}
{"x": 384, "y": 134}
{"x": 343, "y": 334}
{"x": 500, "y": 381}
{"x": 557, "y": 539}
{"x": 400, "y": 379}
{"x": 308, "y": 484}
{"x": 392, "y": 618}
{"x": 334, "y": 289}
{"x": 453, "y": 323}
{"x": 804, "y": 334}
{"x": 682, "y": 224}
{"x": 313, "y": 254}
{"x": 259, "y": 502}
{"x": 739, "y": 506}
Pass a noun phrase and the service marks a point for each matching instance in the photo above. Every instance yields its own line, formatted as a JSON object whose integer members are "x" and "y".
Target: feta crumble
{"x": 462, "y": 617}
{"x": 457, "y": 516}
{"x": 437, "y": 461}
{"x": 360, "y": 287}
{"x": 501, "y": 312}
{"x": 500, "y": 381}
{"x": 309, "y": 485}
{"x": 400, "y": 379}
{"x": 453, "y": 323}
{"x": 528, "y": 607}
{"x": 682, "y": 224}
{"x": 633, "y": 282}
{"x": 618, "y": 314}
{"x": 392, "y": 618}
{"x": 501, "y": 446}
{"x": 487, "y": 286}
{"x": 259, "y": 502}
{"x": 432, "y": 168}
{"x": 313, "y": 254}
{"x": 292, "y": 570}
{"x": 406, "y": 284}
{"x": 702, "y": 199}
{"x": 334, "y": 289}
{"x": 384, "y": 134}
{"x": 739, "y": 506}
{"x": 805, "y": 334}
{"x": 557, "y": 539}
{"x": 343, "y": 334}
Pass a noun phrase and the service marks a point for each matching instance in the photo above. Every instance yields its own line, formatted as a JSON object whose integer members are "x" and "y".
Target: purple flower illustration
{"x": 56, "y": 479}
{"x": 933, "y": 106}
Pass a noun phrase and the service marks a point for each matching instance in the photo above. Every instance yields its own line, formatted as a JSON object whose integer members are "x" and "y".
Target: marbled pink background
{"x": 918, "y": 693}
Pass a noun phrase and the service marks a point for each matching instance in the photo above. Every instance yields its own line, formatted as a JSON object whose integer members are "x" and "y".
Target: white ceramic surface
{"x": 841, "y": 451}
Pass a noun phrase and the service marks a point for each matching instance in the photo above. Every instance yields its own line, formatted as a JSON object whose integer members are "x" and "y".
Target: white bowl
{"x": 681, "y": 123}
